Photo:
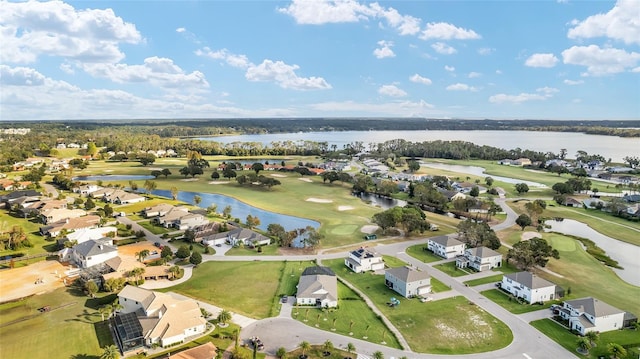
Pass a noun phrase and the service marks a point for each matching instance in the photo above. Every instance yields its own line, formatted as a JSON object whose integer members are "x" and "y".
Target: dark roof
{"x": 128, "y": 326}
{"x": 318, "y": 270}
{"x": 529, "y": 280}
{"x": 17, "y": 194}
{"x": 593, "y": 307}
{"x": 94, "y": 247}
{"x": 364, "y": 253}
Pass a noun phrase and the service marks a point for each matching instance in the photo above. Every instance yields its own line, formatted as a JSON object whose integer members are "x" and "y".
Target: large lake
{"x": 608, "y": 146}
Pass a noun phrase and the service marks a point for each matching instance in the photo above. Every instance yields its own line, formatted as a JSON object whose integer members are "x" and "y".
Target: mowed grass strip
{"x": 484, "y": 280}
{"x": 514, "y": 306}
{"x": 451, "y": 269}
{"x": 448, "y": 326}
{"x": 248, "y": 288}
{"x": 67, "y": 332}
{"x": 420, "y": 253}
{"x": 352, "y": 309}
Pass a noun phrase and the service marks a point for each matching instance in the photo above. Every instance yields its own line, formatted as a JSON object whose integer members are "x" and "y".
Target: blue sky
{"x": 315, "y": 58}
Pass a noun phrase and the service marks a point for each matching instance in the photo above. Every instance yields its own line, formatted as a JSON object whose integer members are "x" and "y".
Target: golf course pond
{"x": 241, "y": 210}
{"x": 113, "y": 178}
{"x": 626, "y": 254}
{"x": 479, "y": 171}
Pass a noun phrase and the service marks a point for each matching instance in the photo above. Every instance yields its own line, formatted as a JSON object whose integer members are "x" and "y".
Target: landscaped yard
{"x": 445, "y": 322}
{"x": 248, "y": 288}
{"x": 561, "y": 335}
{"x": 352, "y": 309}
{"x": 451, "y": 269}
{"x": 511, "y": 304}
{"x": 270, "y": 250}
{"x": 32, "y": 228}
{"x": 420, "y": 253}
{"x": 71, "y": 331}
{"x": 154, "y": 228}
{"x": 484, "y": 280}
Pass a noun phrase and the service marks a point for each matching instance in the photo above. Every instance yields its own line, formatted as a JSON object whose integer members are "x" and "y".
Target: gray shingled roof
{"x": 446, "y": 241}
{"x": 408, "y": 275}
{"x": 94, "y": 247}
{"x": 483, "y": 252}
{"x": 593, "y": 306}
{"x": 529, "y": 280}
{"x": 318, "y": 270}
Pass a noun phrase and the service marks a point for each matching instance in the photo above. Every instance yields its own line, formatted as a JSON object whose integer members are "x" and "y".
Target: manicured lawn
{"x": 586, "y": 276}
{"x": 437, "y": 286}
{"x": 566, "y": 339}
{"x": 451, "y": 269}
{"x": 420, "y": 253}
{"x": 393, "y": 262}
{"x": 248, "y": 288}
{"x": 153, "y": 228}
{"x": 270, "y": 250}
{"x": 352, "y": 308}
{"x": 317, "y": 352}
{"x": 31, "y": 227}
{"x": 513, "y": 306}
{"x": 193, "y": 246}
{"x": 71, "y": 331}
{"x": 485, "y": 280}
{"x": 445, "y": 322}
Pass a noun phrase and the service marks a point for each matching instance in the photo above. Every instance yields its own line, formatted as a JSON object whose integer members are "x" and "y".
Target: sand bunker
{"x": 318, "y": 200}
{"x": 345, "y": 208}
{"x": 370, "y": 228}
{"x": 305, "y": 179}
{"x": 219, "y": 182}
{"x": 277, "y": 175}
{"x": 189, "y": 179}
{"x": 528, "y": 235}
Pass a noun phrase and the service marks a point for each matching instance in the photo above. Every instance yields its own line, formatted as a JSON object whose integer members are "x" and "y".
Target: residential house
{"x": 480, "y": 259}
{"x": 158, "y": 210}
{"x": 85, "y": 234}
{"x": 407, "y": 281}
{"x": 102, "y": 193}
{"x": 204, "y": 232}
{"x": 318, "y": 286}
{"x": 181, "y": 218}
{"x": 238, "y": 236}
{"x": 26, "y": 195}
{"x": 41, "y": 206}
{"x": 203, "y": 351}
{"x": 123, "y": 197}
{"x": 572, "y": 202}
{"x": 521, "y": 162}
{"x": 446, "y": 247}
{"x": 451, "y": 195}
{"x": 60, "y": 214}
{"x": 90, "y": 253}
{"x": 169, "y": 217}
{"x": 86, "y": 189}
{"x": 364, "y": 259}
{"x": 119, "y": 267}
{"x": 152, "y": 318}
{"x": 70, "y": 225}
{"x": 530, "y": 287}
{"x": 592, "y": 315}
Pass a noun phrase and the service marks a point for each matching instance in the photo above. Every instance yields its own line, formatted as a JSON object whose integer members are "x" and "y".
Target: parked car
{"x": 157, "y": 244}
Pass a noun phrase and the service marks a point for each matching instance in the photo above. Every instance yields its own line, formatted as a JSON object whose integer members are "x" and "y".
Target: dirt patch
{"x": 277, "y": 175}
{"x": 305, "y": 179}
{"x": 371, "y": 228}
{"x": 318, "y": 200}
{"x": 133, "y": 248}
{"x": 21, "y": 282}
{"x": 345, "y": 208}
{"x": 528, "y": 235}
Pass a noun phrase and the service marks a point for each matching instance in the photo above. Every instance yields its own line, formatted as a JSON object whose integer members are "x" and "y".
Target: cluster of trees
{"x": 533, "y": 252}
{"x": 15, "y": 238}
{"x": 476, "y": 234}
{"x": 260, "y": 180}
{"x": 185, "y": 252}
{"x": 310, "y": 236}
{"x": 410, "y": 218}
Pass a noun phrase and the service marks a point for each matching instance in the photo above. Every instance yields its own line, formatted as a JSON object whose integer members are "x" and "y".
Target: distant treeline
{"x": 213, "y": 127}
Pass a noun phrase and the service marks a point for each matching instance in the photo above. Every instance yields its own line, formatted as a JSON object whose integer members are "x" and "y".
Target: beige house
{"x": 318, "y": 286}
{"x": 60, "y": 214}
{"x": 70, "y": 225}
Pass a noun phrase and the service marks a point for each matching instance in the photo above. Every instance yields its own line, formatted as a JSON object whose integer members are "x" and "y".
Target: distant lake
{"x": 612, "y": 147}
{"x": 113, "y": 178}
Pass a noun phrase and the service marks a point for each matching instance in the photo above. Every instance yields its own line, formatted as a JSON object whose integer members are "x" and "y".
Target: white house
{"x": 446, "y": 247}
{"x": 529, "y": 287}
{"x": 90, "y": 253}
{"x": 364, "y": 259}
{"x": 408, "y": 281}
{"x": 592, "y": 315}
{"x": 480, "y": 259}
{"x": 85, "y": 234}
{"x": 86, "y": 189}
{"x": 159, "y": 318}
{"x": 318, "y": 286}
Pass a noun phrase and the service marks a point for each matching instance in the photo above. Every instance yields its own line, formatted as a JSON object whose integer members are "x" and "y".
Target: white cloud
{"x": 600, "y": 61}
{"x": 405, "y": 24}
{"x": 498, "y": 72}
{"x": 284, "y": 75}
{"x": 20, "y": 76}
{"x": 181, "y": 30}
{"x": 547, "y": 91}
{"x": 239, "y": 61}
{"x": 523, "y": 97}
{"x": 384, "y": 50}
{"x": 460, "y": 87}
{"x": 473, "y": 75}
{"x": 484, "y": 51}
{"x": 637, "y": 69}
{"x": 67, "y": 68}
{"x": 31, "y": 29}
{"x": 573, "y": 83}
{"x": 449, "y": 68}
{"x": 541, "y": 60}
{"x": 446, "y": 31}
{"x": 444, "y": 49}
{"x": 620, "y": 23}
{"x": 392, "y": 91}
{"x": 419, "y": 79}
{"x": 157, "y": 71}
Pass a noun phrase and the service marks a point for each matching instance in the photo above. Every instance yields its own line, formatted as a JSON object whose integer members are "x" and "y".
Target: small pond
{"x": 382, "y": 202}
{"x": 241, "y": 210}
{"x": 113, "y": 178}
{"x": 479, "y": 171}
{"x": 625, "y": 253}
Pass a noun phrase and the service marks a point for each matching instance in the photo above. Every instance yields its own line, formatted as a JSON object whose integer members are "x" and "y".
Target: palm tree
{"x": 105, "y": 309}
{"x": 327, "y": 346}
{"x": 305, "y": 346}
{"x": 174, "y": 271}
{"x": 583, "y": 345}
{"x": 142, "y": 254}
{"x": 110, "y": 352}
{"x": 351, "y": 348}
{"x": 224, "y": 317}
{"x": 378, "y": 355}
{"x": 174, "y": 193}
{"x": 281, "y": 353}
{"x": 616, "y": 350}
{"x": 115, "y": 306}
{"x": 593, "y": 337}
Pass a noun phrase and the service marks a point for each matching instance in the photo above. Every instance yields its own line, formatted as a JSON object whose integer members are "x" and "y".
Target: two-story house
{"x": 530, "y": 287}
{"x": 592, "y": 315}
{"x": 364, "y": 259}
{"x": 446, "y": 247}
{"x": 480, "y": 259}
{"x": 407, "y": 281}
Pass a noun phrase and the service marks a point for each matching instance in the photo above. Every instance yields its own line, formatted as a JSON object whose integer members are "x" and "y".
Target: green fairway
{"x": 70, "y": 331}
{"x": 420, "y": 253}
{"x": 32, "y": 228}
{"x": 451, "y": 269}
{"x": 444, "y": 322}
{"x": 248, "y": 288}
{"x": 561, "y": 335}
{"x": 352, "y": 316}
{"x": 586, "y": 276}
